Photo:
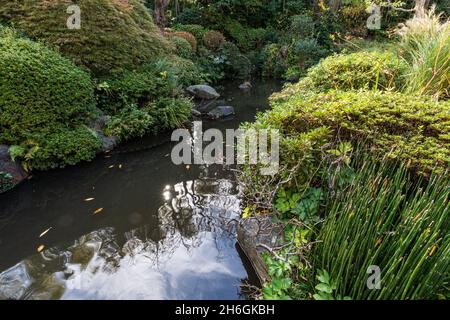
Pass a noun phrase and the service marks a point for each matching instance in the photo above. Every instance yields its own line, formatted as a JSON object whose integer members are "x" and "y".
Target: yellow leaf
{"x": 45, "y": 232}
{"x": 40, "y": 248}
{"x": 433, "y": 250}
{"x": 98, "y": 210}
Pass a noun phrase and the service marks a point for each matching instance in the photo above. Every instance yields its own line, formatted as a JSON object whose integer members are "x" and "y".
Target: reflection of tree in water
{"x": 194, "y": 212}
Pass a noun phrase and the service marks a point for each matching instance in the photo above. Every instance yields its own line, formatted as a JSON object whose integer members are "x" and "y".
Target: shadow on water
{"x": 164, "y": 231}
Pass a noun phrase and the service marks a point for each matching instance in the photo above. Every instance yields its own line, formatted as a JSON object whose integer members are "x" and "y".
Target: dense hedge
{"x": 39, "y": 89}
{"x": 114, "y": 34}
{"x": 408, "y": 128}
{"x": 65, "y": 146}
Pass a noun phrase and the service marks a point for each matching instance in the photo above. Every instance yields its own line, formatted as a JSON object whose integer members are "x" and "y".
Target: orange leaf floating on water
{"x": 98, "y": 210}
{"x": 40, "y": 248}
{"x": 45, "y": 232}
{"x": 89, "y": 199}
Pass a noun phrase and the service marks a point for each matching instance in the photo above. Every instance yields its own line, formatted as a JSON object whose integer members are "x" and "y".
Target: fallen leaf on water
{"x": 110, "y": 167}
{"x": 89, "y": 199}
{"x": 98, "y": 210}
{"x": 45, "y": 232}
{"x": 40, "y": 248}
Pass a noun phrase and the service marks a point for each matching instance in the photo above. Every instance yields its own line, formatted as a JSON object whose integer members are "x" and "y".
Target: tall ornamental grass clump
{"x": 425, "y": 40}
{"x": 384, "y": 217}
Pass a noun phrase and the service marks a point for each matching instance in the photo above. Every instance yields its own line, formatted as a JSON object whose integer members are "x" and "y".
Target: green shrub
{"x": 302, "y": 26}
{"x": 360, "y": 70}
{"x": 246, "y": 38}
{"x": 383, "y": 217}
{"x": 407, "y": 128}
{"x": 274, "y": 65}
{"x": 64, "y": 146}
{"x": 169, "y": 113}
{"x": 122, "y": 36}
{"x": 139, "y": 86}
{"x": 189, "y": 37}
{"x": 237, "y": 65}
{"x": 129, "y": 123}
{"x": 39, "y": 90}
{"x": 303, "y": 54}
{"x": 183, "y": 48}
{"x": 198, "y": 31}
{"x": 191, "y": 15}
{"x": 213, "y": 40}
{"x": 114, "y": 35}
{"x": 426, "y": 47}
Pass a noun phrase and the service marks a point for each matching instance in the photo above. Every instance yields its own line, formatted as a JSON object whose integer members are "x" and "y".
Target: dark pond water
{"x": 164, "y": 231}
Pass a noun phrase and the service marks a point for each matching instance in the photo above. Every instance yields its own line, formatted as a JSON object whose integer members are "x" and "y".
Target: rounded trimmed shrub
{"x": 213, "y": 40}
{"x": 187, "y": 36}
{"x": 114, "y": 35}
{"x": 39, "y": 90}
{"x": 183, "y": 47}
{"x": 198, "y": 31}
{"x": 359, "y": 70}
{"x": 407, "y": 128}
{"x": 65, "y": 146}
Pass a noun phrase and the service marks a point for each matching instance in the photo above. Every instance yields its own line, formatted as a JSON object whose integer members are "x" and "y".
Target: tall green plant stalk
{"x": 385, "y": 218}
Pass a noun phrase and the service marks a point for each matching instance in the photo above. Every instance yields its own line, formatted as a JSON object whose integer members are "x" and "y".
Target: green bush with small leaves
{"x": 39, "y": 89}
{"x": 64, "y": 146}
{"x": 198, "y": 31}
{"x": 408, "y": 128}
{"x": 114, "y": 35}
{"x": 360, "y": 70}
{"x": 182, "y": 47}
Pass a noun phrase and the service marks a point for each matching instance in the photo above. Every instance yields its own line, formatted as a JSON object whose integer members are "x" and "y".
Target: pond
{"x": 130, "y": 224}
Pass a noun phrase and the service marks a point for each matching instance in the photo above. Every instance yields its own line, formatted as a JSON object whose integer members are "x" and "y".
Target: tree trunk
{"x": 160, "y": 13}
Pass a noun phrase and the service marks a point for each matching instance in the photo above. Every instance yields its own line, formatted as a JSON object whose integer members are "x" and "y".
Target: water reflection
{"x": 184, "y": 256}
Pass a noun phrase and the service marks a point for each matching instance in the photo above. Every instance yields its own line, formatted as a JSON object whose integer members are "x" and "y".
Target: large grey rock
{"x": 246, "y": 86}
{"x": 203, "y": 91}
{"x": 11, "y": 168}
{"x": 221, "y": 112}
{"x": 254, "y": 236}
{"x": 108, "y": 143}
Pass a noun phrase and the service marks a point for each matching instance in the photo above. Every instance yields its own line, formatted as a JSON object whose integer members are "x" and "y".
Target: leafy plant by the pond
{"x": 325, "y": 289}
{"x": 129, "y": 123}
{"x": 303, "y": 205}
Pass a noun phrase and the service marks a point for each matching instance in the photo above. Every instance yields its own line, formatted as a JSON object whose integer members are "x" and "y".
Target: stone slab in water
{"x": 202, "y": 91}
{"x": 221, "y": 112}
